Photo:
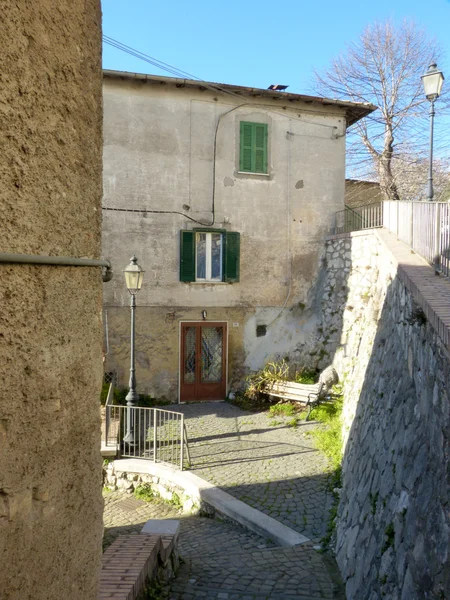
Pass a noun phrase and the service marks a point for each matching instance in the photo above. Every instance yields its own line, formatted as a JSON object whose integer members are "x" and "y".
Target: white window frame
{"x": 208, "y": 257}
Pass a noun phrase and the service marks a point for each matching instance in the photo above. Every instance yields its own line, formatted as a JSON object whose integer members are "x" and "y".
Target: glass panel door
{"x": 203, "y": 359}
{"x": 189, "y": 355}
{"x": 212, "y": 354}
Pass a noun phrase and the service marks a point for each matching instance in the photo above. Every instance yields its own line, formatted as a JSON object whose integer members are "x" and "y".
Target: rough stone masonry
{"x": 393, "y": 521}
{"x": 50, "y": 317}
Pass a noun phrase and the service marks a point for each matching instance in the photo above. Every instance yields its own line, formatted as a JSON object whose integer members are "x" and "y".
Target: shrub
{"x": 329, "y": 437}
{"x": 145, "y": 400}
{"x": 258, "y": 383}
{"x": 306, "y": 376}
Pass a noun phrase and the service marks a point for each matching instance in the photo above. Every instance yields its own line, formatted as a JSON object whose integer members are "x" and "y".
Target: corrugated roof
{"x": 354, "y": 110}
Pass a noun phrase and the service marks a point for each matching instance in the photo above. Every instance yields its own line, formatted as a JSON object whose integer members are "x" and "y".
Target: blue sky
{"x": 254, "y": 43}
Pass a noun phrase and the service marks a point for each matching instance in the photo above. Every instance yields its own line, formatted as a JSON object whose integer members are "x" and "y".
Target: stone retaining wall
{"x": 116, "y": 478}
{"x": 393, "y": 520}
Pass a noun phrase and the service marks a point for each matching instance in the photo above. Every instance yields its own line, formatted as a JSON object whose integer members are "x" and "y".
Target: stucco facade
{"x": 171, "y": 164}
{"x": 50, "y": 317}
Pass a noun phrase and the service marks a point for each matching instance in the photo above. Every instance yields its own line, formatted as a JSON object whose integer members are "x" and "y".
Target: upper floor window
{"x": 209, "y": 255}
{"x": 253, "y": 147}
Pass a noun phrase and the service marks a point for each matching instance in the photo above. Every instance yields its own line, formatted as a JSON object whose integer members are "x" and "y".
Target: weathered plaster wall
{"x": 393, "y": 526}
{"x": 50, "y": 318}
{"x": 157, "y": 343}
{"x": 159, "y": 155}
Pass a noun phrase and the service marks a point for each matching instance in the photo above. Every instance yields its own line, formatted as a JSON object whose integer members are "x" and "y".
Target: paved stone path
{"x": 269, "y": 465}
{"x": 262, "y": 461}
{"x": 222, "y": 561}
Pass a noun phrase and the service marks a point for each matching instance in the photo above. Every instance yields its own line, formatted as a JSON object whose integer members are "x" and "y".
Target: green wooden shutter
{"x": 246, "y": 147}
{"x": 232, "y": 255}
{"x": 260, "y": 153}
{"x": 187, "y": 256}
{"x": 253, "y": 147}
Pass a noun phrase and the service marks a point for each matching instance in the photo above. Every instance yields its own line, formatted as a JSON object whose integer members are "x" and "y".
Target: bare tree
{"x": 410, "y": 174}
{"x": 384, "y": 67}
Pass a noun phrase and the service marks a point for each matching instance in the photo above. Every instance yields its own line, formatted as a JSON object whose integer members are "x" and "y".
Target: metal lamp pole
{"x": 430, "y": 193}
{"x": 134, "y": 275}
{"x": 432, "y": 83}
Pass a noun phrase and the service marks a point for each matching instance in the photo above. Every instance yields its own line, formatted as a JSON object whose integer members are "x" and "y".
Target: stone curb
{"x": 202, "y": 491}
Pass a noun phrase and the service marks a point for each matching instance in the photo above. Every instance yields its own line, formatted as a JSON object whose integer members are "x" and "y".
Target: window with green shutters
{"x": 209, "y": 255}
{"x": 253, "y": 147}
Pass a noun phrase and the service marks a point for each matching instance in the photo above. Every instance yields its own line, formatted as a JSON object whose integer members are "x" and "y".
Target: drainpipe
{"x": 64, "y": 261}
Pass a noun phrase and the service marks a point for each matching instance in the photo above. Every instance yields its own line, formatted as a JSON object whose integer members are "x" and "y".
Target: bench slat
{"x": 297, "y": 392}
{"x": 295, "y": 387}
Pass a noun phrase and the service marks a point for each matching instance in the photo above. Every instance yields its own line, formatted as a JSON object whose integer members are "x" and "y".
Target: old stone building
{"x": 225, "y": 195}
{"x": 50, "y": 317}
{"x": 361, "y": 193}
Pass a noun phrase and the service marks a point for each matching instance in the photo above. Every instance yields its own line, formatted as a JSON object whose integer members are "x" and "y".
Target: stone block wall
{"x": 50, "y": 317}
{"x": 393, "y": 525}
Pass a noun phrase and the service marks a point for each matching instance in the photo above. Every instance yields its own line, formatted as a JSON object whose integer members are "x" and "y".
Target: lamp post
{"x": 134, "y": 274}
{"x": 432, "y": 83}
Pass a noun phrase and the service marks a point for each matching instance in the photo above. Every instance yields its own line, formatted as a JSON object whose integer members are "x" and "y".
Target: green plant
{"x": 305, "y": 376}
{"x": 293, "y": 422}
{"x": 153, "y": 591}
{"x": 287, "y": 409}
{"x": 329, "y": 437}
{"x": 389, "y": 532}
{"x": 274, "y": 423}
{"x": 258, "y": 382}
{"x": 145, "y": 400}
{"x": 145, "y": 492}
{"x": 373, "y": 499}
{"x": 175, "y": 501}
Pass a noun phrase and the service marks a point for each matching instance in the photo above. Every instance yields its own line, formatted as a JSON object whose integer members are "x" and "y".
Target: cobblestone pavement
{"x": 222, "y": 561}
{"x": 262, "y": 461}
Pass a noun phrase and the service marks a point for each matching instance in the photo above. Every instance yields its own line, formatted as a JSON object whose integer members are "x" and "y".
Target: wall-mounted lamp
{"x": 204, "y": 315}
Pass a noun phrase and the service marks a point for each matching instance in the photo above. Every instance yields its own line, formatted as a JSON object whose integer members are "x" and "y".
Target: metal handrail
{"x": 109, "y": 402}
{"x": 424, "y": 226}
{"x": 357, "y": 218}
{"x": 159, "y": 434}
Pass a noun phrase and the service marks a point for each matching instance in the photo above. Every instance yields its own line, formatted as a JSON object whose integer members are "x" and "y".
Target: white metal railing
{"x": 157, "y": 434}
{"x": 425, "y": 226}
{"x": 359, "y": 217}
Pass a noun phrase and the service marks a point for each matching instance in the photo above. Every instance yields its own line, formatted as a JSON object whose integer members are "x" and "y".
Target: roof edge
{"x": 354, "y": 110}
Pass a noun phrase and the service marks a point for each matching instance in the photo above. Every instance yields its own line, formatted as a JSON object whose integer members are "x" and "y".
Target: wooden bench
{"x": 303, "y": 393}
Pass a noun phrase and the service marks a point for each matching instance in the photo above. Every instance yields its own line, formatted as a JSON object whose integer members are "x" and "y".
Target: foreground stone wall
{"x": 393, "y": 522}
{"x": 50, "y": 318}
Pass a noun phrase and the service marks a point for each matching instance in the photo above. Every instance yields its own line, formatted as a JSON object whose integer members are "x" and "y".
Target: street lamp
{"x": 134, "y": 274}
{"x": 432, "y": 82}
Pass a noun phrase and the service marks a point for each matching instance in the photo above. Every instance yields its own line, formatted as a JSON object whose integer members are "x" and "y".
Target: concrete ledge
{"x": 203, "y": 492}
{"x": 108, "y": 451}
{"x": 164, "y": 527}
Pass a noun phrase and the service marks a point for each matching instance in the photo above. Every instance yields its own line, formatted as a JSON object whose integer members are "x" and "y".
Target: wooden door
{"x": 203, "y": 361}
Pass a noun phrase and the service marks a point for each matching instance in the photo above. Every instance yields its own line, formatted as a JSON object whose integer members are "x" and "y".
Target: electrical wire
{"x": 165, "y": 66}
{"x": 158, "y": 212}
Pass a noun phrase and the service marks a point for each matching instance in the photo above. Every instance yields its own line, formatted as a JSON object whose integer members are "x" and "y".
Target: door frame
{"x": 180, "y": 352}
